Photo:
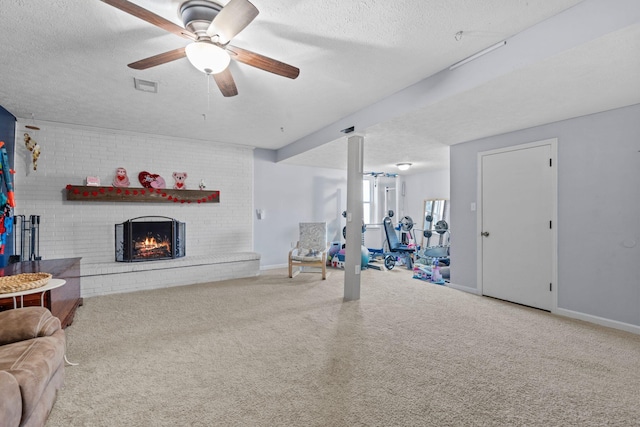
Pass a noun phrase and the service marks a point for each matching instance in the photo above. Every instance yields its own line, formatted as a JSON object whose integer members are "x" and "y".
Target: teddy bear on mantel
{"x": 180, "y": 178}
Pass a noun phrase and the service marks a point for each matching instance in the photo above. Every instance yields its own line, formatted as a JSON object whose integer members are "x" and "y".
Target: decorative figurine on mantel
{"x": 93, "y": 181}
{"x": 180, "y": 178}
{"x": 121, "y": 179}
{"x": 32, "y": 146}
{"x": 202, "y": 185}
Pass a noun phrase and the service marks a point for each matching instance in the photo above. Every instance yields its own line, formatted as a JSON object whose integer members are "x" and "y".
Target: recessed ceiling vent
{"x": 145, "y": 85}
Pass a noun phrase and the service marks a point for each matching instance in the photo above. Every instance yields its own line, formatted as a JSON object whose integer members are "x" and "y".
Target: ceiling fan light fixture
{"x": 403, "y": 166}
{"x": 207, "y": 57}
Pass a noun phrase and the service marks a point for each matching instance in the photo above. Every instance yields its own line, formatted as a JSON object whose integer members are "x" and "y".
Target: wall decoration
{"x": 34, "y": 147}
{"x": 93, "y": 181}
{"x": 180, "y": 178}
{"x": 149, "y": 180}
{"x": 121, "y": 179}
{"x": 7, "y": 203}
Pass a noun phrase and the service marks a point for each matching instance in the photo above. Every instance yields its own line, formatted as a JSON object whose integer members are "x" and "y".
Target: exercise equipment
{"x": 364, "y": 254}
{"x": 406, "y": 223}
{"x": 339, "y": 256}
{"x": 437, "y": 255}
{"x": 365, "y": 258}
{"x": 369, "y": 255}
{"x": 344, "y": 230}
{"x": 395, "y": 247}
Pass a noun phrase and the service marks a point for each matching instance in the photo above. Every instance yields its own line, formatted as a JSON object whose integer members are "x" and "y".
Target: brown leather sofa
{"x": 32, "y": 347}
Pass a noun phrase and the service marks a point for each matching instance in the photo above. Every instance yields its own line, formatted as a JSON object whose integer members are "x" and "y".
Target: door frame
{"x": 553, "y": 143}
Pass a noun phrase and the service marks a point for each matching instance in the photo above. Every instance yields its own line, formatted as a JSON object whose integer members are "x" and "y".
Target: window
{"x": 367, "y": 205}
{"x": 378, "y": 197}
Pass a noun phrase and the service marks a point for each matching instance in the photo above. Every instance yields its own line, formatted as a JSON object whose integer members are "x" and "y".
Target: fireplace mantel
{"x": 149, "y": 195}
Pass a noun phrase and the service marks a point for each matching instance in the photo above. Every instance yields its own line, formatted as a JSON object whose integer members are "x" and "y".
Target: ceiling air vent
{"x": 145, "y": 85}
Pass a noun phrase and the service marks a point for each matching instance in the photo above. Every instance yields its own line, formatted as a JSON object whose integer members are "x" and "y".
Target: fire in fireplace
{"x": 150, "y": 238}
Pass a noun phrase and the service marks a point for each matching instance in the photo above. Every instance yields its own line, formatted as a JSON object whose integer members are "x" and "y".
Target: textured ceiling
{"x": 65, "y": 61}
{"x": 593, "y": 77}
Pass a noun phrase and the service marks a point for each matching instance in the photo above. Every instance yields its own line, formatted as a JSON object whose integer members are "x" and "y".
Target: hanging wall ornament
{"x": 31, "y": 143}
{"x": 34, "y": 148}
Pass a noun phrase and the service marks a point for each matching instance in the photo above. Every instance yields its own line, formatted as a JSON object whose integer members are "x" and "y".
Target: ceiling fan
{"x": 210, "y": 27}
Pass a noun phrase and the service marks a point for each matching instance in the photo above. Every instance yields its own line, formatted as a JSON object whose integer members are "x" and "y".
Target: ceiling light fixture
{"x": 478, "y": 55}
{"x": 207, "y": 57}
{"x": 403, "y": 166}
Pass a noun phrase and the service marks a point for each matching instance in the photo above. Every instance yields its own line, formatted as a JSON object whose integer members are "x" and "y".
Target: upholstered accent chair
{"x": 311, "y": 250}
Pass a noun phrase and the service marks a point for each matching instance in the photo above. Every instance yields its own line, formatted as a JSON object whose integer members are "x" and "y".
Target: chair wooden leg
{"x": 324, "y": 265}
{"x": 290, "y": 270}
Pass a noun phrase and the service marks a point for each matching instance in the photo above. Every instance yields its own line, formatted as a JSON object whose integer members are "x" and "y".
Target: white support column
{"x": 353, "y": 259}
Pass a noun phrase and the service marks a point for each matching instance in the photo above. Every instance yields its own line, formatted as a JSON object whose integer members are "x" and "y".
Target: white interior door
{"x": 517, "y": 243}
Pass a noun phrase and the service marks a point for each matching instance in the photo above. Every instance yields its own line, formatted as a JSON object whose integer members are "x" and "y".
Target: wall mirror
{"x": 436, "y": 223}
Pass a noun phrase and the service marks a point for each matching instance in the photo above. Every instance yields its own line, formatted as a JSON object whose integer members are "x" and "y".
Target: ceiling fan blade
{"x": 263, "y": 62}
{"x": 232, "y": 19}
{"x": 225, "y": 83}
{"x": 150, "y": 17}
{"x": 159, "y": 59}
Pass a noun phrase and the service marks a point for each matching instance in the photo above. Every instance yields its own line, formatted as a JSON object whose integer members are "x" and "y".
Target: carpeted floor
{"x": 272, "y": 351}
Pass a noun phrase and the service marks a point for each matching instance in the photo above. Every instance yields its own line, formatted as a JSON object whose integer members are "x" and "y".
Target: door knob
{"x": 485, "y": 234}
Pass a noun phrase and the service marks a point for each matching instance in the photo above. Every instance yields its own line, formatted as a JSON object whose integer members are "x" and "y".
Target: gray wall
{"x": 420, "y": 187}
{"x": 598, "y": 211}
{"x": 289, "y": 195}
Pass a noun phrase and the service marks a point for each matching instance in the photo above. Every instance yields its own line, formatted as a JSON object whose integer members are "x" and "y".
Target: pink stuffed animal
{"x": 121, "y": 179}
{"x": 180, "y": 177}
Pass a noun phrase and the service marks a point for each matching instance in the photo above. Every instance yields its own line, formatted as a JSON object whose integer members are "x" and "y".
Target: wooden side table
{"x": 61, "y": 301}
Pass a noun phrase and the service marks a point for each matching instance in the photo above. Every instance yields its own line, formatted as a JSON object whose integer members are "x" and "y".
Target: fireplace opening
{"x": 150, "y": 238}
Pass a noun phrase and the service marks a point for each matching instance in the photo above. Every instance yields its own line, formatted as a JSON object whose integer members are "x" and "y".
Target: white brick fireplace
{"x": 219, "y": 235}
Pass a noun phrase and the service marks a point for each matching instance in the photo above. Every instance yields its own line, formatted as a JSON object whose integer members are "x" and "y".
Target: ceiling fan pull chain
{"x": 208, "y": 92}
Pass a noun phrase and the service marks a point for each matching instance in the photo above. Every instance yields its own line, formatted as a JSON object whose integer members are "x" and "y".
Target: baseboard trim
{"x": 598, "y": 320}
{"x": 273, "y": 267}
{"x": 463, "y": 288}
